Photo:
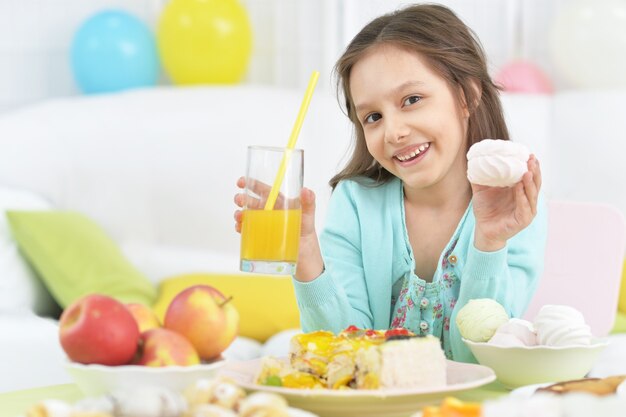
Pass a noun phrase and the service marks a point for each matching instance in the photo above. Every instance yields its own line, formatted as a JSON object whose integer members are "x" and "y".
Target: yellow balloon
{"x": 204, "y": 41}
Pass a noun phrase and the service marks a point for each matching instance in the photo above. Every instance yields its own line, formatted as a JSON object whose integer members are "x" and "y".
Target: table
{"x": 15, "y": 404}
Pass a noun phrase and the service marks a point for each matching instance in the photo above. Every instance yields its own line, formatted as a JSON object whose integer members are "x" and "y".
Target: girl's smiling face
{"x": 413, "y": 124}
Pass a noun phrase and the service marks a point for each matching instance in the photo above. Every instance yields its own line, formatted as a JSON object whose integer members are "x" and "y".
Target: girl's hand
{"x": 502, "y": 212}
{"x": 310, "y": 263}
{"x": 260, "y": 192}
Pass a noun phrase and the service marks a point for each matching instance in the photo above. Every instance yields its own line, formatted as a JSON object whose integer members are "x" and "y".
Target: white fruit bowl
{"x": 516, "y": 366}
{"x": 95, "y": 380}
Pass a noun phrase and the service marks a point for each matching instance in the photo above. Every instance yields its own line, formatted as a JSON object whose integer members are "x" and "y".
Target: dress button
{"x": 424, "y": 302}
{"x": 452, "y": 259}
{"x": 423, "y": 325}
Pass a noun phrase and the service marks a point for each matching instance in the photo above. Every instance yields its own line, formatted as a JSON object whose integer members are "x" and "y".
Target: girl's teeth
{"x": 414, "y": 153}
{"x": 409, "y": 156}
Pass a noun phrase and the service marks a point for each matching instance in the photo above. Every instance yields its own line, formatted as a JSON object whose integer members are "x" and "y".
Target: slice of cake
{"x": 415, "y": 362}
{"x": 358, "y": 359}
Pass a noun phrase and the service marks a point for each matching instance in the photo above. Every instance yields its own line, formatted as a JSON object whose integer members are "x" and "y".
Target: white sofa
{"x": 156, "y": 169}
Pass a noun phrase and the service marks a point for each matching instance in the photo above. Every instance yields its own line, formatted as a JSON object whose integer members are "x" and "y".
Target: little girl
{"x": 408, "y": 240}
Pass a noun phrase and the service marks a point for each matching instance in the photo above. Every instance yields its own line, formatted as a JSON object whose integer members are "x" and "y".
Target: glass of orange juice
{"x": 270, "y": 234}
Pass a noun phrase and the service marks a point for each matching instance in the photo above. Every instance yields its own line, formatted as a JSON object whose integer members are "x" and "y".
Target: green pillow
{"x": 74, "y": 257}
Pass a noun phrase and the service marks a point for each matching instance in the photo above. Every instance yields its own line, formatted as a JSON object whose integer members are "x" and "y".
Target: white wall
{"x": 34, "y": 42}
{"x": 291, "y": 37}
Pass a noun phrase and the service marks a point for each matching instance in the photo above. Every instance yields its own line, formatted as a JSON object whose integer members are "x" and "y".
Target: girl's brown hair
{"x": 451, "y": 49}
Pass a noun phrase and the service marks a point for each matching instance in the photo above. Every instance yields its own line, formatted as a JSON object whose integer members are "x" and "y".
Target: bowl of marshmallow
{"x": 556, "y": 346}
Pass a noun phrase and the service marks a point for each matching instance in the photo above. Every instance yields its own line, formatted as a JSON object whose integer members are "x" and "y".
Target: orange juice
{"x": 271, "y": 235}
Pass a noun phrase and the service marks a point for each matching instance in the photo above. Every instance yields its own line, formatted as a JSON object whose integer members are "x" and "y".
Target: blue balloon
{"x": 114, "y": 51}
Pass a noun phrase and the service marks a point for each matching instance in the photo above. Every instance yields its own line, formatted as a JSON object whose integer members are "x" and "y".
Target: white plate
{"x": 364, "y": 403}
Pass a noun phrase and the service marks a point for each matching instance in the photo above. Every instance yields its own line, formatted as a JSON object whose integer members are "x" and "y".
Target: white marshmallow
{"x": 523, "y": 330}
{"x": 559, "y": 325}
{"x": 497, "y": 162}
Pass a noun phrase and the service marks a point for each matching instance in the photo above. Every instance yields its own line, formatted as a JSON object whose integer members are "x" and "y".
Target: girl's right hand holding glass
{"x": 310, "y": 263}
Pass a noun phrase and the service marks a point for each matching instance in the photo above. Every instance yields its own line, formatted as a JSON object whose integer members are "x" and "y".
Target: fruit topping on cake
{"x": 358, "y": 359}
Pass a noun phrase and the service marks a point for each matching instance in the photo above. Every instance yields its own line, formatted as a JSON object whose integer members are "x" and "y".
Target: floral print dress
{"x": 426, "y": 307}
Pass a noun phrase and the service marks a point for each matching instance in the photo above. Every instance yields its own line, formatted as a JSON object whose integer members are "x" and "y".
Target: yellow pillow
{"x": 622, "y": 293}
{"x": 266, "y": 303}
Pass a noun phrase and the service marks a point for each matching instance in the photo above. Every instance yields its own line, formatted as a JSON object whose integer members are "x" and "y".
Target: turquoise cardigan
{"x": 367, "y": 256}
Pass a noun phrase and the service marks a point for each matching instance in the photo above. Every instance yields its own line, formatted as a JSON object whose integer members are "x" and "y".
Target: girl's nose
{"x": 395, "y": 130}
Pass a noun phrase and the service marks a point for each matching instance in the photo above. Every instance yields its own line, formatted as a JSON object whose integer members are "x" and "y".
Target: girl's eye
{"x": 411, "y": 100}
{"x": 373, "y": 117}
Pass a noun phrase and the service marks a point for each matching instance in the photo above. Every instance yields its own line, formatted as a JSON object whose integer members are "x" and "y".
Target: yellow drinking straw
{"x": 271, "y": 198}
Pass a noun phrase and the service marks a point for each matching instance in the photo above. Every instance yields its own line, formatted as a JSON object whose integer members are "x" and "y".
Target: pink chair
{"x": 584, "y": 260}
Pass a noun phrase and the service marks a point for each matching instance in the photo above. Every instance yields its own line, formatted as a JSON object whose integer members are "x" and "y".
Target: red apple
{"x": 205, "y": 317}
{"x": 163, "y": 347}
{"x": 98, "y": 329}
{"x": 146, "y": 317}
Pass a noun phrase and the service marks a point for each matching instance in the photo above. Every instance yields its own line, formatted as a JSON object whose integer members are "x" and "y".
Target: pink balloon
{"x": 523, "y": 77}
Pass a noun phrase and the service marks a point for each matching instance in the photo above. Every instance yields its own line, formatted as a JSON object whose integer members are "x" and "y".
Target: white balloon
{"x": 588, "y": 43}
